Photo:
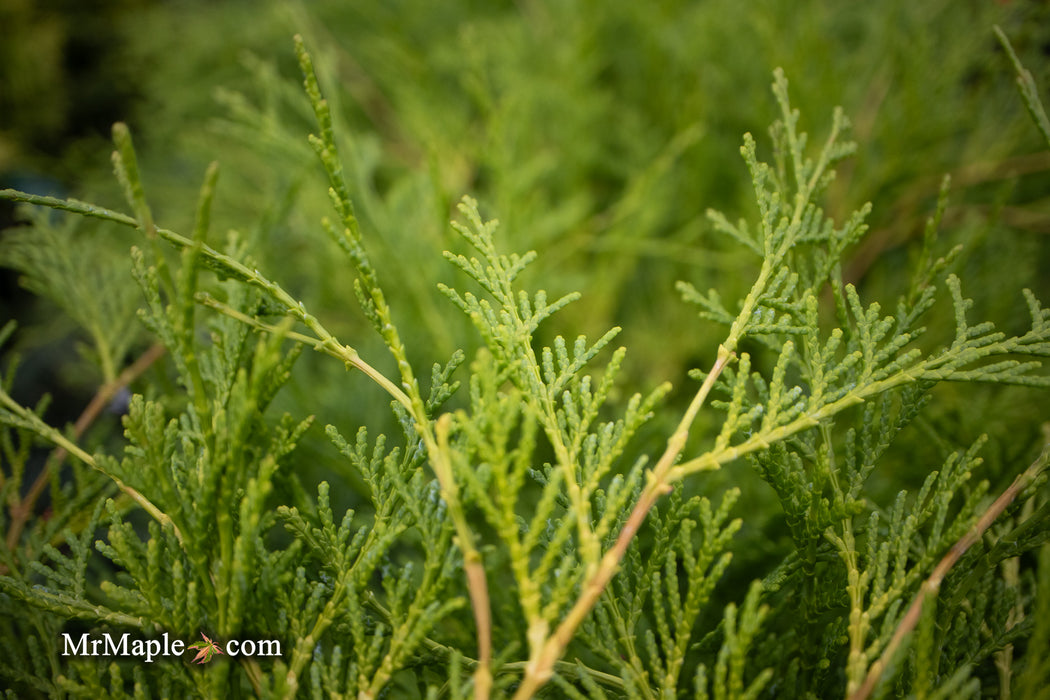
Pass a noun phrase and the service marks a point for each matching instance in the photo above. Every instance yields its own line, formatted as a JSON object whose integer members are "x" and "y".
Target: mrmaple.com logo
{"x": 125, "y": 645}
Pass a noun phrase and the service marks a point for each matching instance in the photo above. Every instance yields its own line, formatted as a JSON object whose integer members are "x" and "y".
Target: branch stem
{"x": 541, "y": 667}
{"x": 932, "y": 585}
{"x": 61, "y": 441}
{"x": 21, "y": 512}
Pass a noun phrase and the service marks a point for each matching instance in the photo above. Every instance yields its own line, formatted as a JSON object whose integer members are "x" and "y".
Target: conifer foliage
{"x": 526, "y": 533}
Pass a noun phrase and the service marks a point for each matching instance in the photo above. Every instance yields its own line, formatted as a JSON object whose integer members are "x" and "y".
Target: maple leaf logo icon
{"x": 207, "y": 649}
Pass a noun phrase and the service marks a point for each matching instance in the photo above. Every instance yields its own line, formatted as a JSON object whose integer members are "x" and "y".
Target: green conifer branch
{"x": 434, "y": 435}
{"x": 508, "y": 330}
{"x": 1027, "y": 87}
{"x": 931, "y": 585}
{"x": 323, "y": 341}
{"x": 16, "y": 414}
{"x": 541, "y": 666}
{"x": 20, "y": 515}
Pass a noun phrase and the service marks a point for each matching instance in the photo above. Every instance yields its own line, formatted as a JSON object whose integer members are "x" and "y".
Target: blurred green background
{"x": 599, "y": 133}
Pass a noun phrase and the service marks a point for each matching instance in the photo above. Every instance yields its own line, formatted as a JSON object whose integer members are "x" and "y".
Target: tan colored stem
{"x": 541, "y": 667}
{"x": 931, "y": 585}
{"x": 50, "y": 433}
{"x": 474, "y": 568}
{"x": 341, "y": 352}
{"x": 21, "y": 512}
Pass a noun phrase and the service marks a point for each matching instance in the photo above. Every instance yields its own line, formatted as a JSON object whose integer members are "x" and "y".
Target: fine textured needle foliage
{"x": 529, "y": 525}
